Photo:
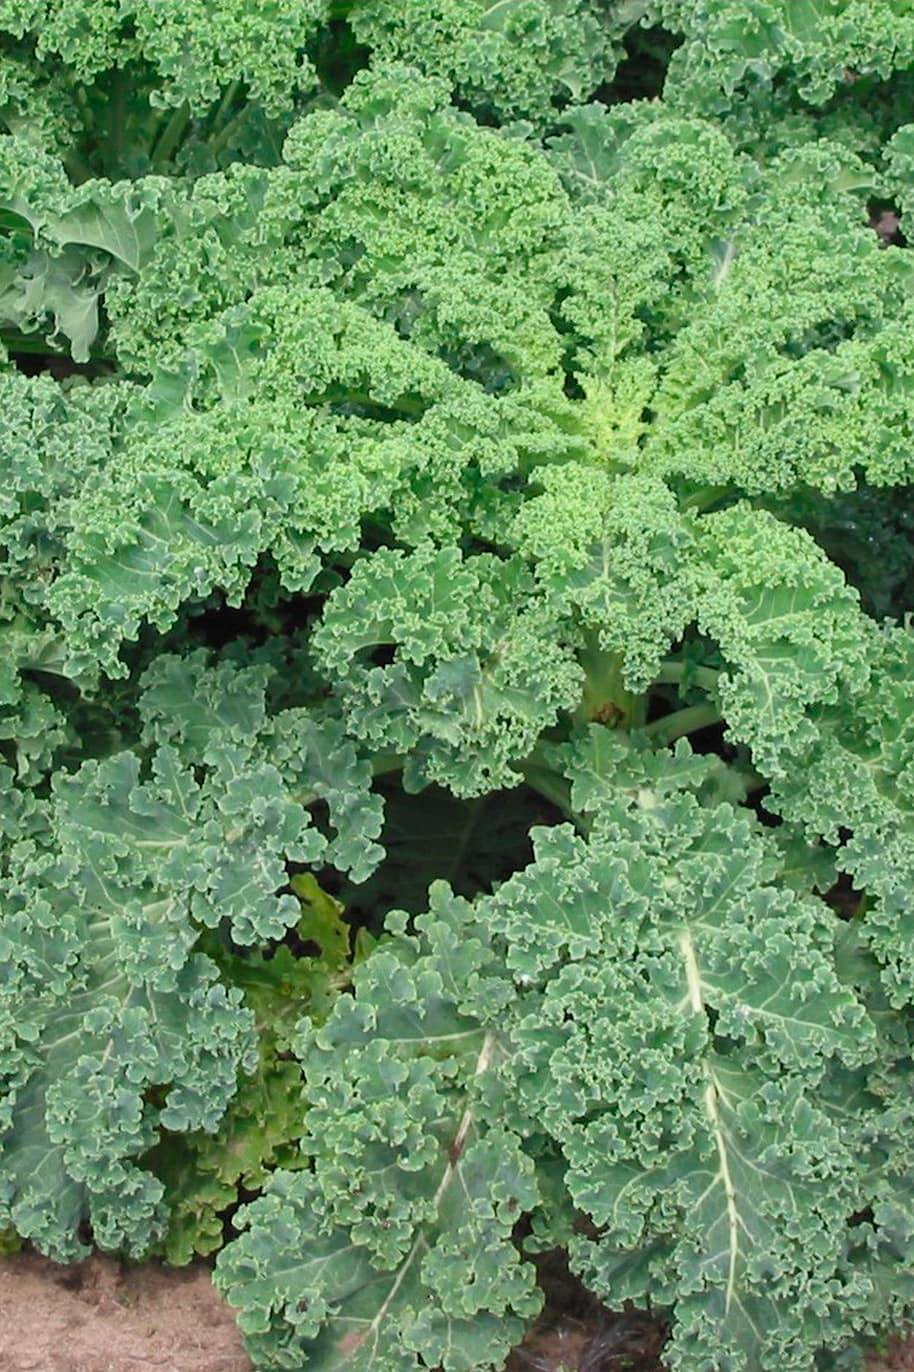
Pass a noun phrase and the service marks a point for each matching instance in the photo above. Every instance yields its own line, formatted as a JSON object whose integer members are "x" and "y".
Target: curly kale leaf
{"x": 202, "y": 1172}
{"x": 790, "y": 631}
{"x": 295, "y": 418}
{"x": 853, "y": 787}
{"x": 114, "y": 1025}
{"x": 813, "y": 47}
{"x": 61, "y": 245}
{"x": 195, "y": 49}
{"x": 511, "y": 58}
{"x": 113, "y": 1029}
{"x": 617, "y": 551}
{"x": 476, "y": 673}
{"x": 780, "y": 314}
{"x": 649, "y": 1001}
{"x": 262, "y": 772}
{"x": 414, "y": 1184}
{"x": 395, "y": 200}
{"x": 618, "y": 559}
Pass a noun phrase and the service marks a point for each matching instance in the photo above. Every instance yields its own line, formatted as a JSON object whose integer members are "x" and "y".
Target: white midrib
{"x": 712, "y": 1111}
{"x": 483, "y": 1062}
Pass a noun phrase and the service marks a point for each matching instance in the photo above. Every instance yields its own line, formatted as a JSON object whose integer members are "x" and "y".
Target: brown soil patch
{"x": 98, "y": 1316}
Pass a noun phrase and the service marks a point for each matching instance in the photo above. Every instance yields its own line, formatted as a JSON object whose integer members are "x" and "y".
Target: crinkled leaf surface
{"x": 648, "y": 1000}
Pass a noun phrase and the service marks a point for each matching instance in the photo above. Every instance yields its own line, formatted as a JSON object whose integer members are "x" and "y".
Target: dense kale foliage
{"x": 456, "y": 676}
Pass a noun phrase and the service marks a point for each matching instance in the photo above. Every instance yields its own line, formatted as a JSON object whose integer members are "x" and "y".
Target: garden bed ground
{"x": 100, "y": 1316}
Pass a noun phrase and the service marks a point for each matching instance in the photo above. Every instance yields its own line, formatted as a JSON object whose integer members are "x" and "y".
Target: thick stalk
{"x": 606, "y": 699}
{"x": 218, "y": 142}
{"x": 553, "y": 787}
{"x": 170, "y": 137}
{"x": 704, "y": 498}
{"x": 225, "y": 104}
{"x": 549, "y": 784}
{"x": 682, "y": 722}
{"x": 77, "y": 168}
{"x": 673, "y": 673}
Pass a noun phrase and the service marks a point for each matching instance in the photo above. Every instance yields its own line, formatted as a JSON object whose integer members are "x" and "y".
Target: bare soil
{"x": 102, "y": 1316}
{"x": 98, "y": 1316}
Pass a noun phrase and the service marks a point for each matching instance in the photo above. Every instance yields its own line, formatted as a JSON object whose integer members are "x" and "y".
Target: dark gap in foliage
{"x": 822, "y": 337}
{"x": 755, "y": 801}
{"x": 472, "y": 844}
{"x": 32, "y": 361}
{"x": 299, "y": 947}
{"x": 661, "y": 702}
{"x": 571, "y": 344}
{"x": 571, "y": 386}
{"x": 406, "y": 408}
{"x": 885, "y": 220}
{"x": 658, "y": 328}
{"x": 337, "y": 55}
{"x": 711, "y": 740}
{"x": 58, "y": 688}
{"x": 843, "y": 897}
{"x": 376, "y": 534}
{"x": 484, "y": 115}
{"x": 869, "y": 534}
{"x": 217, "y": 626}
{"x": 641, "y": 72}
{"x": 369, "y": 409}
{"x": 383, "y": 655}
{"x": 267, "y": 612}
{"x": 576, "y": 1330}
{"x": 244, "y": 1196}
{"x": 482, "y": 364}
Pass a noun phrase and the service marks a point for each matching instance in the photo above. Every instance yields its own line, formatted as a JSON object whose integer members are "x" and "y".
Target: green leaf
{"x": 648, "y": 1002}
{"x": 412, "y": 1198}
{"x": 476, "y": 670}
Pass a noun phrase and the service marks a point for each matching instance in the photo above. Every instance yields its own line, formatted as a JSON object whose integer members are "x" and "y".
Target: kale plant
{"x": 456, "y": 675}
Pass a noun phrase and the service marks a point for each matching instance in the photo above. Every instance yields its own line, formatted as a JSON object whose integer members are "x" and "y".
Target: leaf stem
{"x": 171, "y": 136}
{"x": 704, "y": 497}
{"x": 674, "y": 673}
{"x": 383, "y": 763}
{"x": 218, "y": 142}
{"x": 553, "y": 787}
{"x": 681, "y": 722}
{"x": 606, "y": 698}
{"x": 77, "y": 168}
{"x": 225, "y": 104}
